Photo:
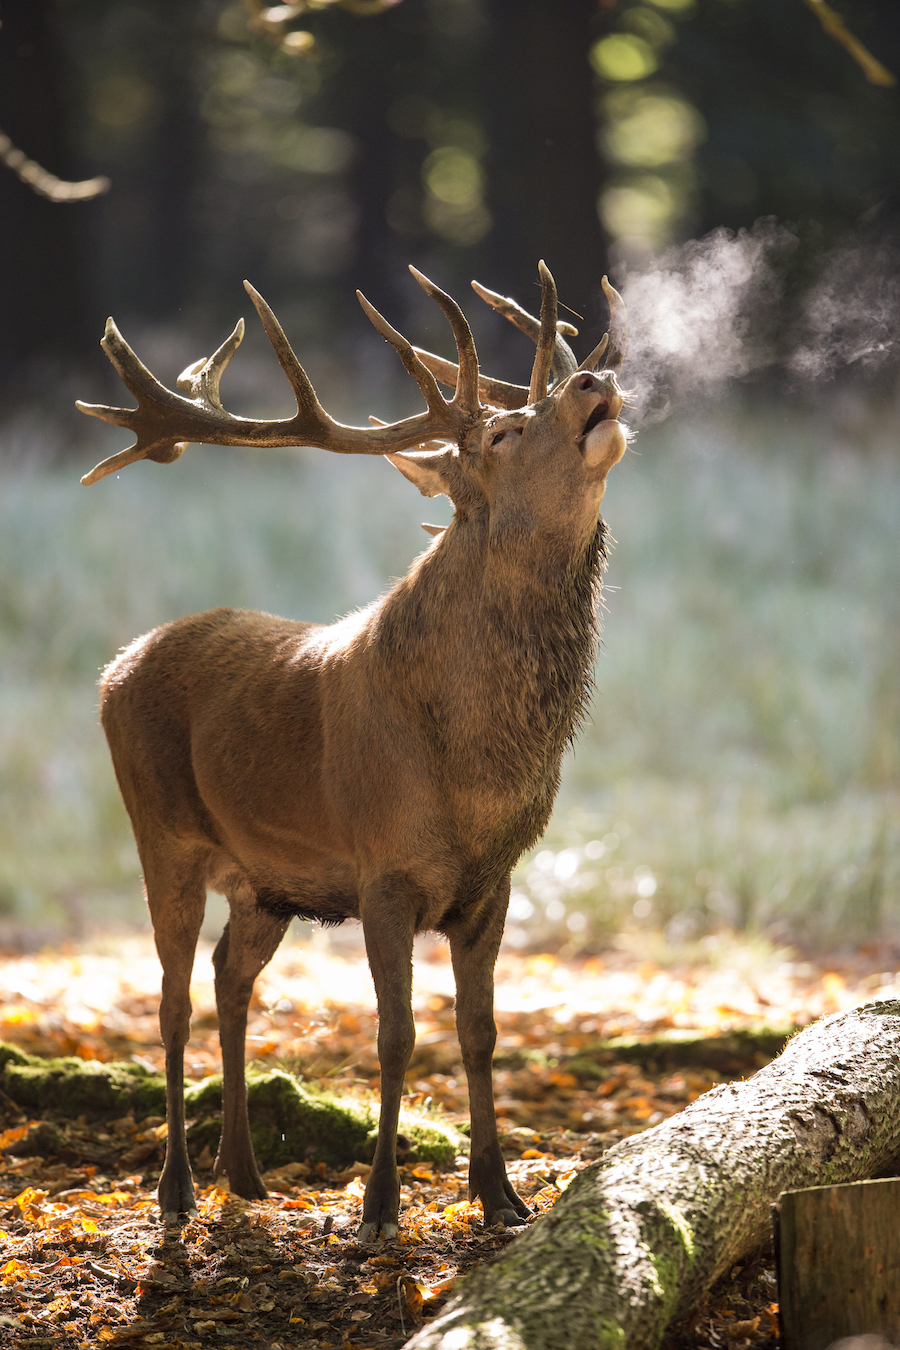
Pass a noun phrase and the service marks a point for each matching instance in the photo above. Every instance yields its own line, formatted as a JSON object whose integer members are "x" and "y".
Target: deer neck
{"x": 496, "y": 639}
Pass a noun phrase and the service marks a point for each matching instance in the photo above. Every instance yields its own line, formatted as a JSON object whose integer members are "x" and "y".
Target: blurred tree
{"x": 720, "y": 111}
{"x": 44, "y": 298}
{"x": 468, "y": 136}
{"x": 142, "y": 70}
{"x": 544, "y": 171}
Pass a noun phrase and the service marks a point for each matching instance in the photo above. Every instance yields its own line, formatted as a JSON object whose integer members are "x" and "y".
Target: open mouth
{"x": 599, "y": 414}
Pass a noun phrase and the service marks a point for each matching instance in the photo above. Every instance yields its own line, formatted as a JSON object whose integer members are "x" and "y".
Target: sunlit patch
{"x": 652, "y": 130}
{"x": 646, "y": 207}
{"x": 623, "y": 56}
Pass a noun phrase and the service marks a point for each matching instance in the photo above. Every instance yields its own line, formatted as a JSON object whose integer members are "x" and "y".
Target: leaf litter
{"x": 588, "y": 1053}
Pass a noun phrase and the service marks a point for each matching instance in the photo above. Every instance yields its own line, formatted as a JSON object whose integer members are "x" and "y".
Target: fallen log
{"x": 643, "y": 1233}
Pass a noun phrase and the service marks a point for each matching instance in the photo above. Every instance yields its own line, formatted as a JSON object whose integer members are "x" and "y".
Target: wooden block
{"x": 837, "y": 1256}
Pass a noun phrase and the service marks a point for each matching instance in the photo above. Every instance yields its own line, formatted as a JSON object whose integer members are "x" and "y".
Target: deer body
{"x": 390, "y": 767}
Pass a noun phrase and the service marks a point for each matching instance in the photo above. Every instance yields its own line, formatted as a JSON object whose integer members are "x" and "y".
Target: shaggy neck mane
{"x": 498, "y": 658}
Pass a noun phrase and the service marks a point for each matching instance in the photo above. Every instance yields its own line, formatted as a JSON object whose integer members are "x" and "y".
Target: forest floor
{"x": 85, "y": 1262}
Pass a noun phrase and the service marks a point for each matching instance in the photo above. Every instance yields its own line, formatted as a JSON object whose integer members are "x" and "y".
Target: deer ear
{"x": 428, "y": 471}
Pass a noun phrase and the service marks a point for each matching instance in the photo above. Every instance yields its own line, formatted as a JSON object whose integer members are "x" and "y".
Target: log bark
{"x": 643, "y": 1233}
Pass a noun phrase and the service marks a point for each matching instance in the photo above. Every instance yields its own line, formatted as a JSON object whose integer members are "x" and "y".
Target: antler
{"x": 165, "y": 422}
{"x": 501, "y": 394}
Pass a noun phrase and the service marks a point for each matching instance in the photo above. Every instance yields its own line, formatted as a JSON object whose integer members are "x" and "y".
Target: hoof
{"x": 173, "y": 1218}
{"x": 248, "y": 1185}
{"x": 369, "y": 1232}
{"x": 506, "y": 1218}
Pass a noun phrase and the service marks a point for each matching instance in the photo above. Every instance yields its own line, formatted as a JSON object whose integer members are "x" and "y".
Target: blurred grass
{"x": 742, "y": 766}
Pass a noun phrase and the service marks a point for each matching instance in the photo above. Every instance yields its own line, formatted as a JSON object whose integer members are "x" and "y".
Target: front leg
{"x": 388, "y": 911}
{"x": 473, "y": 950}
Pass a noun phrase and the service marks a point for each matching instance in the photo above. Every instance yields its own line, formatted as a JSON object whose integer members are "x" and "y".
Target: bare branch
{"x": 46, "y": 184}
{"x": 835, "y": 27}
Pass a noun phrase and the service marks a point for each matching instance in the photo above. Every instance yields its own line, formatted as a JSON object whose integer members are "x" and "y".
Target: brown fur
{"x": 390, "y": 767}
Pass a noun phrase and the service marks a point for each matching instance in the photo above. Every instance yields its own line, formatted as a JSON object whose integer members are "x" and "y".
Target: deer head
{"x": 463, "y": 439}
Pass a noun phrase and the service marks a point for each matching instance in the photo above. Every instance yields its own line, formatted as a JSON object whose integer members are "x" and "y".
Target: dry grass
{"x": 743, "y": 761}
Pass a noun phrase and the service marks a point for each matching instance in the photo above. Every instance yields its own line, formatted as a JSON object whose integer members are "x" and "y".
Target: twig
{"x": 47, "y": 184}
{"x": 400, "y": 1304}
{"x": 835, "y": 27}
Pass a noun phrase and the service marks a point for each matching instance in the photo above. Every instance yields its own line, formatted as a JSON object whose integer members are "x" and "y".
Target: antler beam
{"x": 166, "y": 422}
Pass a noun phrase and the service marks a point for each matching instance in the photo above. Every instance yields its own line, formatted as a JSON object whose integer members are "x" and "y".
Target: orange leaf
{"x": 463, "y": 1209}
{"x": 565, "y": 1080}
{"x": 29, "y": 1196}
{"x": 13, "y": 1136}
{"x": 14, "y": 1270}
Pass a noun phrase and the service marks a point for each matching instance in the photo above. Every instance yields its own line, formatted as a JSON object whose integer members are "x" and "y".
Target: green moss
{"x": 734, "y": 1052}
{"x": 11, "y": 1054}
{"x": 70, "y": 1087}
{"x": 432, "y": 1142}
{"x": 610, "y": 1336}
{"x": 289, "y": 1121}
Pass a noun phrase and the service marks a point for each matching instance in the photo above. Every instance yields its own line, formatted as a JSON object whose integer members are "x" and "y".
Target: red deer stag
{"x": 392, "y": 766}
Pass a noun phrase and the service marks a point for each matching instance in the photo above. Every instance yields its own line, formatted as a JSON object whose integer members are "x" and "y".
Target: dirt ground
{"x": 85, "y": 1262}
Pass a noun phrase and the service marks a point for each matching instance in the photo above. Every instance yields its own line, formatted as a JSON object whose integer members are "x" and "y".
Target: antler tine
{"x": 497, "y": 393}
{"x": 466, "y": 396}
{"x": 547, "y": 339}
{"x": 308, "y": 405}
{"x": 437, "y": 404}
{"x": 564, "y": 362}
{"x": 166, "y": 422}
{"x": 201, "y": 379}
{"x": 593, "y": 360}
{"x": 500, "y": 393}
{"x": 124, "y": 457}
{"x": 150, "y": 444}
{"x": 618, "y": 328}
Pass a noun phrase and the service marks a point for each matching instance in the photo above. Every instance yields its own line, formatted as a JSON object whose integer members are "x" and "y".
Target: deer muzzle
{"x": 602, "y": 439}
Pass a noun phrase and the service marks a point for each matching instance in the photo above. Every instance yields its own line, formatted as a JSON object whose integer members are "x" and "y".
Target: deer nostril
{"x": 585, "y": 382}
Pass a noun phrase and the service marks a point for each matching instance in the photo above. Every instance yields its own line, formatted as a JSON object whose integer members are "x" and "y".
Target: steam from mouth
{"x": 711, "y": 311}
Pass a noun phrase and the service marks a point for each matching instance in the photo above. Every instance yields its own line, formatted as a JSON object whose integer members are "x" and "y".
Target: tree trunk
{"x": 48, "y": 320}
{"x": 544, "y": 170}
{"x": 639, "y": 1237}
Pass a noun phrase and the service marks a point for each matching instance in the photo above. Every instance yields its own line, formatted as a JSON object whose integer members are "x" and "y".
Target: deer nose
{"x": 586, "y": 382}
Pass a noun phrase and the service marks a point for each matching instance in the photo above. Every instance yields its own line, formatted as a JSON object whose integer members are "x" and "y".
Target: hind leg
{"x": 473, "y": 951}
{"x": 176, "y": 896}
{"x": 248, "y": 943}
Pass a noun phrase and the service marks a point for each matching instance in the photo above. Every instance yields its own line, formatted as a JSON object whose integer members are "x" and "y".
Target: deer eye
{"x": 507, "y": 431}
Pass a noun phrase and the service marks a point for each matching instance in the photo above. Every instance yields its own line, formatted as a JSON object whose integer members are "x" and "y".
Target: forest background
{"x": 736, "y": 172}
